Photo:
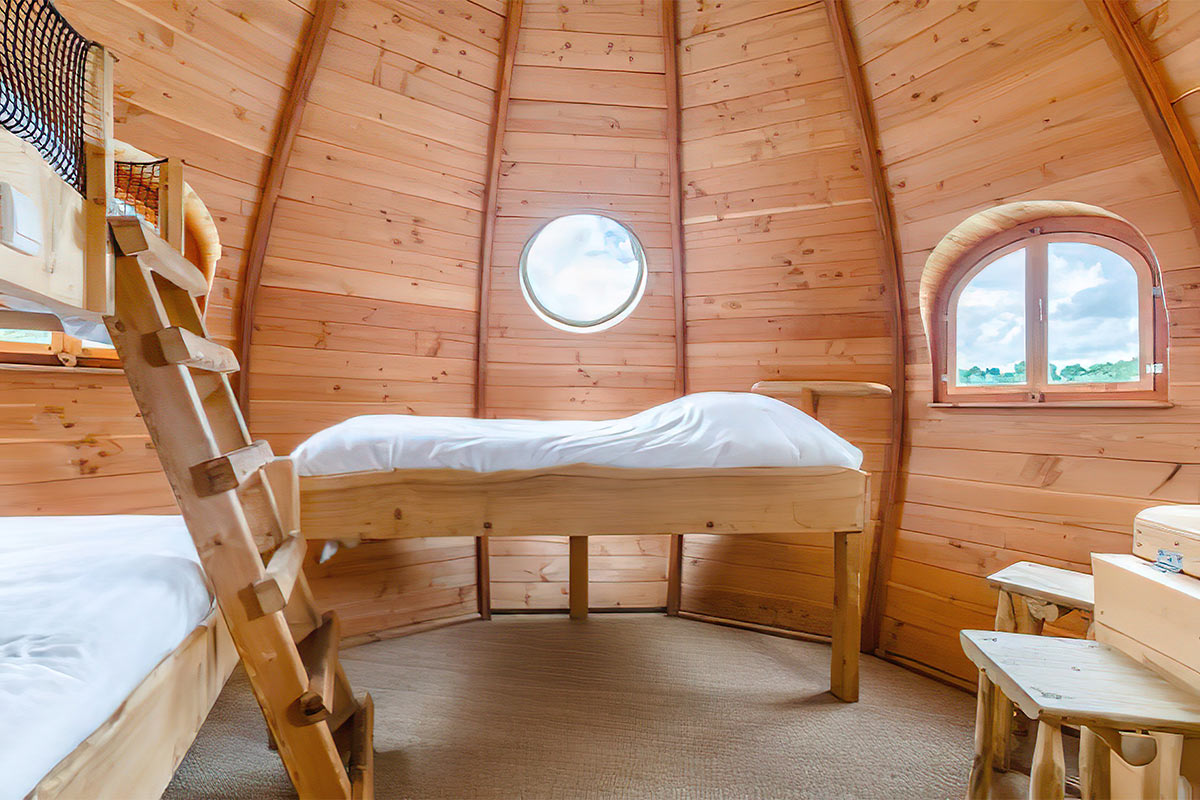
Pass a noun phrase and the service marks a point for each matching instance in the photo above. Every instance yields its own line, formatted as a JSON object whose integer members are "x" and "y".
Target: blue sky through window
{"x": 990, "y": 324}
{"x": 583, "y": 267}
{"x": 1093, "y": 314}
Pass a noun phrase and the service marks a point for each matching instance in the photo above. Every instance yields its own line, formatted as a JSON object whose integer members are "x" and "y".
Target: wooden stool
{"x": 1030, "y": 595}
{"x": 1077, "y": 682}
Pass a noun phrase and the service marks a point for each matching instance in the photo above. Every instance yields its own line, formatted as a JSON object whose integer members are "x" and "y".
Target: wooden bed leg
{"x": 847, "y": 620}
{"x": 674, "y": 574}
{"x": 483, "y": 577}
{"x": 578, "y": 576}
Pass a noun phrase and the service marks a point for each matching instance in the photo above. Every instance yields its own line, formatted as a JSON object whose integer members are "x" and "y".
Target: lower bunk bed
{"x": 112, "y": 653}
{"x": 715, "y": 462}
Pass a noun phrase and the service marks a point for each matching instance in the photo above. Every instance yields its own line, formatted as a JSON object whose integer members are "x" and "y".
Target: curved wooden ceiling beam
{"x": 285, "y": 137}
{"x": 893, "y": 275}
{"x": 512, "y": 29}
{"x": 1178, "y": 150}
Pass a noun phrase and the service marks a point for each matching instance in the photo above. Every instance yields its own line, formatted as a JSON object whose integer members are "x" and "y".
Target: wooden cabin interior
{"x": 599, "y": 399}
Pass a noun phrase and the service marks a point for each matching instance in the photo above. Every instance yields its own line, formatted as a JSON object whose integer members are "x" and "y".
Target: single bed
{"x": 715, "y": 462}
{"x": 96, "y": 613}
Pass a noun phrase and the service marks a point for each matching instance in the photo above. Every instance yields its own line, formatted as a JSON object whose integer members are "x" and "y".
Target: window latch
{"x": 1154, "y": 369}
{"x": 1156, "y": 291}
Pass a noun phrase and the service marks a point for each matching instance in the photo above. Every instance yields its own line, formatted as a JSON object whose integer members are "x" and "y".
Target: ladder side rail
{"x": 174, "y": 413}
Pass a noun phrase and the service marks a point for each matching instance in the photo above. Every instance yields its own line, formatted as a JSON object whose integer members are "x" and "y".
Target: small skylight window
{"x": 583, "y": 272}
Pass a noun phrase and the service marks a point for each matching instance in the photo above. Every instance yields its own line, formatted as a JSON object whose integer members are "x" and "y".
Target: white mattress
{"x": 88, "y": 607}
{"x": 711, "y": 429}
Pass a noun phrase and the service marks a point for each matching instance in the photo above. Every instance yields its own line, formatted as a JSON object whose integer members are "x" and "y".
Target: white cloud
{"x": 582, "y": 267}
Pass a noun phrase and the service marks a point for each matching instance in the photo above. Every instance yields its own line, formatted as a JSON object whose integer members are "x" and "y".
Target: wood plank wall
{"x": 783, "y": 268}
{"x": 980, "y": 104}
{"x": 368, "y": 299}
{"x": 586, "y": 133}
{"x": 202, "y": 80}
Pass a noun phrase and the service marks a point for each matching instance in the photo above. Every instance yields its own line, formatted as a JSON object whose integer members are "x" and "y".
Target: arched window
{"x": 1053, "y": 310}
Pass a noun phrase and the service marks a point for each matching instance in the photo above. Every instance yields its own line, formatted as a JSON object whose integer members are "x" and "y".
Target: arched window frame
{"x": 1035, "y": 235}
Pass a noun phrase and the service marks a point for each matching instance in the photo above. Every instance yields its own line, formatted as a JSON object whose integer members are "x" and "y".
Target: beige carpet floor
{"x": 622, "y": 705}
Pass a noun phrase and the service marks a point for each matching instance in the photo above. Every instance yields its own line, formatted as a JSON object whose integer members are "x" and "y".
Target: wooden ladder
{"x": 242, "y": 506}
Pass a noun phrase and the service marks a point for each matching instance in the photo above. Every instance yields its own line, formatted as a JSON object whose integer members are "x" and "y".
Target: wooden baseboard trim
{"x": 936, "y": 674}
{"x": 770, "y": 630}
{"x": 406, "y": 630}
{"x": 622, "y": 610}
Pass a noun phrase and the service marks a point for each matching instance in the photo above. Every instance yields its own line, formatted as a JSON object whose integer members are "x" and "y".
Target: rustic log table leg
{"x": 847, "y": 621}
{"x": 980, "y": 785}
{"x": 1048, "y": 773}
{"x": 1094, "y": 765}
{"x": 578, "y": 577}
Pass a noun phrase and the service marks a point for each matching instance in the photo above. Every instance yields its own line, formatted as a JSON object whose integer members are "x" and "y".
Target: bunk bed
{"x": 720, "y": 462}
{"x": 102, "y": 241}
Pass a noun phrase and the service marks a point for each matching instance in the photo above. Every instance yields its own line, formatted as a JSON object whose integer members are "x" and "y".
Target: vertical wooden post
{"x": 578, "y": 576}
{"x": 99, "y": 286}
{"x": 483, "y": 576}
{"x": 170, "y": 203}
{"x": 675, "y": 574}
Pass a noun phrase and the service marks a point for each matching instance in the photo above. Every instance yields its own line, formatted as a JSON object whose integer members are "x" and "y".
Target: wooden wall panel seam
{"x": 863, "y": 113}
{"x": 289, "y": 125}
{"x": 512, "y": 30}
{"x": 1146, "y": 83}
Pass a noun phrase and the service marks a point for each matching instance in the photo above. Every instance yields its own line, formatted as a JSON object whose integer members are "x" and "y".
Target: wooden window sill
{"x": 1056, "y": 404}
{"x": 61, "y": 369}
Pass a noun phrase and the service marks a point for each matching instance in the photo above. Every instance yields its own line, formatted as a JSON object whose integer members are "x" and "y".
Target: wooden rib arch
{"x": 285, "y": 137}
{"x": 1178, "y": 150}
{"x": 885, "y": 214}
{"x": 512, "y": 29}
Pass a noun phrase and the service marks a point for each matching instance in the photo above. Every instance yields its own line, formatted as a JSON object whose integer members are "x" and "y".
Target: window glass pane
{"x": 582, "y": 270}
{"x": 1092, "y": 331}
{"x": 30, "y": 337}
{"x": 990, "y": 324}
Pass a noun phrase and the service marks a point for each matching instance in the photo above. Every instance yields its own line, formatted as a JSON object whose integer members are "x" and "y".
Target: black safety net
{"x": 43, "y": 67}
{"x": 137, "y": 185}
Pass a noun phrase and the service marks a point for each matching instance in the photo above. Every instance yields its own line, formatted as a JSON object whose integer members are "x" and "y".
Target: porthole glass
{"x": 583, "y": 272}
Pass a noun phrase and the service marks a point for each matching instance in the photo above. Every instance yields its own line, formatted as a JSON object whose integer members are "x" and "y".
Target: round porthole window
{"x": 583, "y": 272}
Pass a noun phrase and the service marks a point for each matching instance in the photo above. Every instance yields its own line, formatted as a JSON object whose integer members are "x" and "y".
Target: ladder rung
{"x": 319, "y": 652}
{"x": 362, "y": 751}
{"x": 275, "y": 590}
{"x": 180, "y": 346}
{"x": 134, "y": 238}
{"x": 229, "y": 471}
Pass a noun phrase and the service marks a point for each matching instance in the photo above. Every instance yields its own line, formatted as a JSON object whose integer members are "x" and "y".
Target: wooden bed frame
{"x": 582, "y": 500}
{"x": 137, "y": 749}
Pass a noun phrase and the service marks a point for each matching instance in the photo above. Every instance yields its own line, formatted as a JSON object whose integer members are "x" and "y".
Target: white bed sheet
{"x": 709, "y": 429}
{"x": 88, "y": 607}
